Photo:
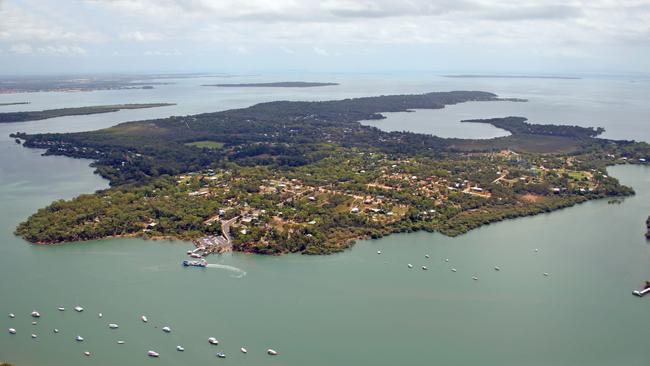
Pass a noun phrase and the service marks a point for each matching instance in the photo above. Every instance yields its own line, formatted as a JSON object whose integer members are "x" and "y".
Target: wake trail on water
{"x": 240, "y": 272}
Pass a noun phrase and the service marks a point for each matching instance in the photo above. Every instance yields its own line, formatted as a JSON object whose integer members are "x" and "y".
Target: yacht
{"x": 167, "y": 329}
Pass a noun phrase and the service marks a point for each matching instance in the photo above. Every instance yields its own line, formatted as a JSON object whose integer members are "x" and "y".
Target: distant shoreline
{"x": 12, "y": 117}
{"x": 281, "y": 84}
{"x": 511, "y": 77}
{"x": 14, "y": 103}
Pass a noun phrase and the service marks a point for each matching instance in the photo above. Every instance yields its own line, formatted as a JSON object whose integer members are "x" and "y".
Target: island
{"x": 14, "y": 103}
{"x": 308, "y": 177}
{"x": 647, "y": 224}
{"x": 282, "y": 84}
{"x": 53, "y": 113}
{"x": 469, "y": 76}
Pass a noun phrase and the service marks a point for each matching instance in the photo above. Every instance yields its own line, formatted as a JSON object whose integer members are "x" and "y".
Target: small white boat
{"x": 35, "y": 314}
{"x": 243, "y": 350}
{"x": 61, "y": 309}
{"x": 426, "y": 256}
{"x": 34, "y": 323}
{"x": 272, "y": 352}
{"x": 79, "y": 338}
{"x": 78, "y": 309}
{"x": 56, "y": 330}
{"x": 379, "y": 252}
{"x": 453, "y": 269}
{"x": 180, "y": 348}
{"x": 100, "y": 315}
{"x": 12, "y": 315}
{"x": 410, "y": 265}
{"x": 497, "y": 268}
{"x": 167, "y": 329}
{"x": 475, "y": 278}
{"x": 447, "y": 260}
{"x": 113, "y": 326}
{"x": 12, "y": 331}
{"x": 545, "y": 274}
{"x": 33, "y": 335}
{"x": 424, "y": 268}
{"x": 153, "y": 354}
{"x": 144, "y": 318}
{"x": 120, "y": 342}
{"x": 221, "y": 355}
{"x": 213, "y": 340}
{"x": 86, "y": 353}
{"x": 536, "y": 250}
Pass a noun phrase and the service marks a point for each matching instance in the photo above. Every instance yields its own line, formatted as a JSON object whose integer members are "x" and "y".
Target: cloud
{"x": 320, "y": 51}
{"x": 21, "y": 49}
{"x": 138, "y": 36}
{"x": 173, "y": 52}
{"x": 62, "y": 50}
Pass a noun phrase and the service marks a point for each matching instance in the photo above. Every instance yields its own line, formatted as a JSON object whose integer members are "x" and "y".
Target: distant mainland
{"x": 513, "y": 77}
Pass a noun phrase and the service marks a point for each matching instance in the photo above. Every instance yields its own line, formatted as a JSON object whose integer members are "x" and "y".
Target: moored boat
{"x": 167, "y": 329}
{"x": 12, "y": 331}
{"x": 180, "y": 348}
{"x": 221, "y": 355}
{"x": 153, "y": 354}
{"x": 78, "y": 309}
{"x": 33, "y": 335}
{"x": 213, "y": 340}
{"x": 243, "y": 350}
{"x": 86, "y": 353}
{"x": 79, "y": 338}
{"x": 61, "y": 308}
{"x": 113, "y": 326}
{"x": 12, "y": 315}
{"x": 35, "y": 314}
{"x": 272, "y": 352}
{"x": 144, "y": 319}
{"x": 120, "y": 342}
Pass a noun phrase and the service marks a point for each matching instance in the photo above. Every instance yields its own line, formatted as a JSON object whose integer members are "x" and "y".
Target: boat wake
{"x": 239, "y": 272}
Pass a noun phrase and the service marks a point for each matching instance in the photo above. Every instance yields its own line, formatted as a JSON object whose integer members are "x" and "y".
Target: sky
{"x": 456, "y": 36}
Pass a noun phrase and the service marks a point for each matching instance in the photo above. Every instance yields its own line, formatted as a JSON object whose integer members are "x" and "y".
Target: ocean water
{"x": 356, "y": 307}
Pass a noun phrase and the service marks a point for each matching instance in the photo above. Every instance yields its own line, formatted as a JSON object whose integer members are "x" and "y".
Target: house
{"x": 354, "y": 210}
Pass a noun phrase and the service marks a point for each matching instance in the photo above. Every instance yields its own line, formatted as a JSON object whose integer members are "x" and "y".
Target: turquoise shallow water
{"x": 355, "y": 308}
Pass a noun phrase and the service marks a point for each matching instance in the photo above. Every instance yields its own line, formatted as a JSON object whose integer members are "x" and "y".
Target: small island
{"x": 14, "y": 103}
{"x": 53, "y": 113}
{"x": 282, "y": 84}
{"x": 308, "y": 177}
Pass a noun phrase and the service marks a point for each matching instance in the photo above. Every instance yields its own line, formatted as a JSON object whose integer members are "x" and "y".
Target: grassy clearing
{"x": 214, "y": 145}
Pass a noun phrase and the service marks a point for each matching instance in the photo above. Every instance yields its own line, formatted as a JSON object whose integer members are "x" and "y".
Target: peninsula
{"x": 14, "y": 103}
{"x": 282, "y": 84}
{"x": 53, "y": 113}
{"x": 307, "y": 177}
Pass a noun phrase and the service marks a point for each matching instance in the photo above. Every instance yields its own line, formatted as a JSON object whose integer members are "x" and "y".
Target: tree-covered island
{"x": 307, "y": 177}
{"x": 61, "y": 112}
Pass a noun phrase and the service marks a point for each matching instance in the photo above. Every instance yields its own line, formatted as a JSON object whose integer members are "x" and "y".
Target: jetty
{"x": 216, "y": 244}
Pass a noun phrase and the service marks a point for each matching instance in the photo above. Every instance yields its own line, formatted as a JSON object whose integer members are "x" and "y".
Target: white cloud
{"x": 62, "y": 50}
{"x": 21, "y": 48}
{"x": 138, "y": 36}
{"x": 173, "y": 52}
{"x": 320, "y": 51}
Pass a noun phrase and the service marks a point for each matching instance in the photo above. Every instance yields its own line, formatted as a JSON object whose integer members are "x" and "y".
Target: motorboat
{"x": 426, "y": 256}
{"x": 453, "y": 269}
{"x": 167, "y": 329}
{"x": 56, "y": 330}
{"x": 34, "y": 323}
{"x": 424, "y": 268}
{"x": 410, "y": 265}
{"x": 221, "y": 355}
{"x": 379, "y": 252}
{"x": 86, "y": 353}
{"x": 79, "y": 338}
{"x": 272, "y": 352}
{"x": 100, "y": 315}
{"x": 12, "y": 331}
{"x": 144, "y": 318}
{"x": 213, "y": 340}
{"x": 153, "y": 354}
{"x": 12, "y": 315}
{"x": 113, "y": 326}
{"x": 196, "y": 255}
{"x": 120, "y": 342}
{"x": 78, "y": 309}
{"x": 202, "y": 263}
{"x": 243, "y": 350}
{"x": 545, "y": 274}
{"x": 33, "y": 335}
{"x": 35, "y": 314}
{"x": 475, "y": 278}
{"x": 180, "y": 348}
{"x": 61, "y": 309}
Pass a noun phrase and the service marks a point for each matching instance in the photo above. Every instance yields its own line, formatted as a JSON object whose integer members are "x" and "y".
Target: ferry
{"x": 153, "y": 354}
{"x": 201, "y": 263}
